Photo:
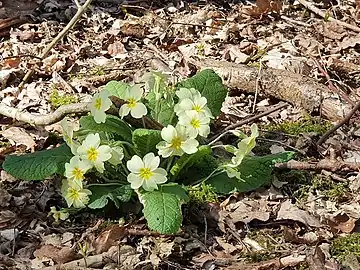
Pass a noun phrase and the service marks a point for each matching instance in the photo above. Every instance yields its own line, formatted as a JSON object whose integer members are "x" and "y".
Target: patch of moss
{"x": 97, "y": 71}
{"x": 331, "y": 190}
{"x": 344, "y": 246}
{"x": 5, "y": 144}
{"x": 56, "y": 99}
{"x": 265, "y": 241}
{"x": 302, "y": 183}
{"x": 202, "y": 194}
{"x": 304, "y": 125}
{"x": 200, "y": 49}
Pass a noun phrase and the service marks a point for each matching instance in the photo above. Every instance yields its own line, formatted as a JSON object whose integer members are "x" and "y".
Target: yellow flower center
{"x": 145, "y": 173}
{"x": 131, "y": 103}
{"x": 78, "y": 173}
{"x": 176, "y": 143}
{"x": 73, "y": 194}
{"x": 92, "y": 154}
{"x": 98, "y": 104}
{"x": 197, "y": 108}
{"x": 195, "y": 123}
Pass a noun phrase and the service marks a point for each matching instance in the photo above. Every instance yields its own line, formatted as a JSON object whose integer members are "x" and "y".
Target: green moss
{"x": 263, "y": 238}
{"x": 344, "y": 246}
{"x": 331, "y": 190}
{"x": 97, "y": 71}
{"x": 56, "y": 99}
{"x": 202, "y": 194}
{"x": 200, "y": 49}
{"x": 5, "y": 144}
{"x": 302, "y": 183}
{"x": 304, "y": 125}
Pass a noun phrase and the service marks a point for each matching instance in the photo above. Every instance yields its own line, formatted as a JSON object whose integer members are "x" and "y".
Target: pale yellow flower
{"x": 99, "y": 105}
{"x": 145, "y": 172}
{"x": 91, "y": 150}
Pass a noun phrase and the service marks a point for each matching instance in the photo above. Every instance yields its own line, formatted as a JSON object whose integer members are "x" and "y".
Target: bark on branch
{"x": 297, "y": 89}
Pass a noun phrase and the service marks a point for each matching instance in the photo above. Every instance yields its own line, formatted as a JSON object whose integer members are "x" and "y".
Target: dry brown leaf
{"x": 292, "y": 212}
{"x": 19, "y": 136}
{"x": 248, "y": 210}
{"x": 57, "y": 254}
{"x": 116, "y": 49}
{"x": 350, "y": 42}
{"x": 228, "y": 248}
{"x": 263, "y": 7}
{"x": 108, "y": 238}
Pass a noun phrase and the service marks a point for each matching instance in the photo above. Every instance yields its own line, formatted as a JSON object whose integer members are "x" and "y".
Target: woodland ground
{"x": 306, "y": 219}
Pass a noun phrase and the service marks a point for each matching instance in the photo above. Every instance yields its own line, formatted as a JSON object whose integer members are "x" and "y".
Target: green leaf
{"x": 101, "y": 195}
{"x": 176, "y": 189}
{"x": 210, "y": 85}
{"x": 145, "y": 140}
{"x": 162, "y": 209}
{"x": 116, "y": 88}
{"x": 38, "y": 165}
{"x": 186, "y": 161}
{"x": 112, "y": 124}
{"x": 166, "y": 112}
{"x": 255, "y": 173}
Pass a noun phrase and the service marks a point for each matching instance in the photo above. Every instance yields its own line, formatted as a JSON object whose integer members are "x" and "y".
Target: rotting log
{"x": 297, "y": 89}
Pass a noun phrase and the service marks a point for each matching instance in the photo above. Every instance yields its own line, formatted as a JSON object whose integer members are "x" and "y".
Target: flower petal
{"x": 139, "y": 110}
{"x": 204, "y": 130}
{"x": 159, "y": 178}
{"x": 190, "y": 146}
{"x": 99, "y": 166}
{"x": 168, "y": 133}
{"x": 149, "y": 185}
{"x": 104, "y": 153}
{"x": 151, "y": 162}
{"x": 124, "y": 110}
{"x": 99, "y": 116}
{"x": 193, "y": 132}
{"x": 136, "y": 92}
{"x": 164, "y": 149}
{"x": 135, "y": 180}
{"x": 135, "y": 164}
{"x": 187, "y": 104}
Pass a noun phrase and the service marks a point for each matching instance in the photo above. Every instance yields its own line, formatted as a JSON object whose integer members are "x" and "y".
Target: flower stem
{"x": 170, "y": 161}
{"x": 105, "y": 184}
{"x": 212, "y": 174}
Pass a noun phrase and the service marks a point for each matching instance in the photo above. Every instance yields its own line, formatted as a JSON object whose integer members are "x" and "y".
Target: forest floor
{"x": 307, "y": 218}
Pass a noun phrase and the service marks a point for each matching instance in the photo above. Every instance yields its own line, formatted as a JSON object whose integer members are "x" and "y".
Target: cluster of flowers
{"x": 87, "y": 155}
{"x": 194, "y": 119}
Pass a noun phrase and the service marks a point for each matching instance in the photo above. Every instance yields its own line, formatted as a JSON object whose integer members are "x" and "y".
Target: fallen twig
{"x": 80, "y": 11}
{"x": 338, "y": 125}
{"x": 323, "y": 14}
{"x": 332, "y": 87}
{"x": 296, "y": 89}
{"x": 41, "y": 120}
{"x": 245, "y": 121}
{"x": 325, "y": 164}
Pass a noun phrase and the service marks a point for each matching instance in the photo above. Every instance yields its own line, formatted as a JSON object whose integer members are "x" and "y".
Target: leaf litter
{"x": 297, "y": 222}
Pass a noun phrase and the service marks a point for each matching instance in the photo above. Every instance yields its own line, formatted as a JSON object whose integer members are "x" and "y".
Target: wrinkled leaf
{"x": 38, "y": 165}
{"x": 145, "y": 140}
{"x": 210, "y": 85}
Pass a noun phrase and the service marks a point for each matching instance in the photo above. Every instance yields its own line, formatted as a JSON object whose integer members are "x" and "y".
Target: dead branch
{"x": 42, "y": 120}
{"x": 219, "y": 134}
{"x": 323, "y": 14}
{"x": 338, "y": 125}
{"x": 325, "y": 164}
{"x": 297, "y": 89}
{"x": 62, "y": 111}
{"x": 80, "y": 11}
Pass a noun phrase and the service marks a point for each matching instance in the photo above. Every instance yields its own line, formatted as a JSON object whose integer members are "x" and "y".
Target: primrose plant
{"x": 145, "y": 141}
